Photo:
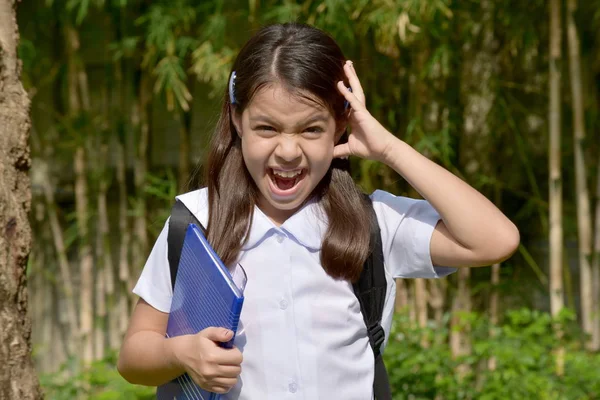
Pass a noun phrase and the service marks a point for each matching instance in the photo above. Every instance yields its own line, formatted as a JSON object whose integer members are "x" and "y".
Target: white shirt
{"x": 301, "y": 332}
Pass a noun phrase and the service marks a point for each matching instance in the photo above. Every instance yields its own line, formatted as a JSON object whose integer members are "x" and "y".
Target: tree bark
{"x": 17, "y": 375}
{"x": 584, "y": 217}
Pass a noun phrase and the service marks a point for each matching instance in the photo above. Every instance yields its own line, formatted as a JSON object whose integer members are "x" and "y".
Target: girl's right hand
{"x": 211, "y": 366}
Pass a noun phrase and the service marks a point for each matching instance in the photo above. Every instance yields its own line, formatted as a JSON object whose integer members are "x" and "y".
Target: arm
{"x": 148, "y": 358}
{"x": 473, "y": 231}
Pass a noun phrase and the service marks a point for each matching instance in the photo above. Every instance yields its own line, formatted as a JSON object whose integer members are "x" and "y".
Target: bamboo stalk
{"x": 120, "y": 325}
{"x": 140, "y": 170}
{"x": 557, "y": 301}
{"x": 421, "y": 302}
{"x": 460, "y": 340}
{"x": 401, "y": 296}
{"x": 66, "y": 281}
{"x": 77, "y": 95}
{"x": 494, "y": 307}
{"x": 595, "y": 345}
{"x": 584, "y": 217}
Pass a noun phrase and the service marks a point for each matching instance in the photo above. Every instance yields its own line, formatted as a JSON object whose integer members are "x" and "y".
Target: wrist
{"x": 392, "y": 152}
{"x": 175, "y": 350}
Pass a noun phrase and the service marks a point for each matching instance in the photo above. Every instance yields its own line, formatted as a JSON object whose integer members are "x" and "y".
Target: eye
{"x": 264, "y": 128}
{"x": 314, "y": 129}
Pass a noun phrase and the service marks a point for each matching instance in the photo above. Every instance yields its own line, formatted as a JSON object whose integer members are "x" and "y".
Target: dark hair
{"x": 308, "y": 63}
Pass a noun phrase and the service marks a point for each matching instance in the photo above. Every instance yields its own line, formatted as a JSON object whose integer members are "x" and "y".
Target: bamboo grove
{"x": 125, "y": 93}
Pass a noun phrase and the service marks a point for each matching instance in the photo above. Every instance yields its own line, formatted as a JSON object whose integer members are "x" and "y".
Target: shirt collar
{"x": 307, "y": 226}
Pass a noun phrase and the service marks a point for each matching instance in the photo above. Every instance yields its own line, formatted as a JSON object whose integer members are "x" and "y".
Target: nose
{"x": 288, "y": 148}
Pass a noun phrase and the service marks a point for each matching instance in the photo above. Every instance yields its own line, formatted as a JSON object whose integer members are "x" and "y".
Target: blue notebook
{"x": 206, "y": 294}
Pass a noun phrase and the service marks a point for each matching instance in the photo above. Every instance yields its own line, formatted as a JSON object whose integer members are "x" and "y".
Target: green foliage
{"x": 101, "y": 381}
{"x": 522, "y": 346}
{"x": 523, "y": 349}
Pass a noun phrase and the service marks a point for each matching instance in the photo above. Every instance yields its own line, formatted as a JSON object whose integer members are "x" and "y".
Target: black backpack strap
{"x": 371, "y": 291}
{"x": 180, "y": 219}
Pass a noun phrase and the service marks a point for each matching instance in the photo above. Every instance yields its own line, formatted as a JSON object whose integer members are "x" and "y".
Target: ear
{"x": 342, "y": 128}
{"x": 236, "y": 118}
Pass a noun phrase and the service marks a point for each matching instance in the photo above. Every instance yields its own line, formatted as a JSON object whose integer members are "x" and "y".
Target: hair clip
{"x": 346, "y": 103}
{"x": 232, "y": 99}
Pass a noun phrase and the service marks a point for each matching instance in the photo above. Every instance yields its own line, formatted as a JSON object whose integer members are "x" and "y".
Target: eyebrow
{"x": 311, "y": 120}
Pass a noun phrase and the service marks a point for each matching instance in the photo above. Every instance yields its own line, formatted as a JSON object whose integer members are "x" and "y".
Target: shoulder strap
{"x": 181, "y": 217}
{"x": 371, "y": 292}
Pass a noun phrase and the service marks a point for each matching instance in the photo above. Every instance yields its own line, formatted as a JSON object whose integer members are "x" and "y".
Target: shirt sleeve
{"x": 154, "y": 284}
{"x": 406, "y": 227}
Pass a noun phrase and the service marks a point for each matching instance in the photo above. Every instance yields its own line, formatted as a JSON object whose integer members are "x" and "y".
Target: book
{"x": 206, "y": 294}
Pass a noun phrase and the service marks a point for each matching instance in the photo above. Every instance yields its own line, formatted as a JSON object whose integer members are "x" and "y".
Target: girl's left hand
{"x": 368, "y": 138}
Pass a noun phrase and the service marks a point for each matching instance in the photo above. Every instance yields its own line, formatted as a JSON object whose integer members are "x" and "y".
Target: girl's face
{"x": 287, "y": 145}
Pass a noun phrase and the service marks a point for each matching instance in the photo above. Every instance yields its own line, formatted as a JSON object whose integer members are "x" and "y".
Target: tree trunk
{"x": 584, "y": 217}
{"x": 17, "y": 375}
{"x": 557, "y": 301}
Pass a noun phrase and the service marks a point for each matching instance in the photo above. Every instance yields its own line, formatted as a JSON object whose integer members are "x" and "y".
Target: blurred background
{"x": 503, "y": 93}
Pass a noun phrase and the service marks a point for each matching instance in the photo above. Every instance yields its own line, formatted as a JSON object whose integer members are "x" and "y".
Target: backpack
{"x": 370, "y": 288}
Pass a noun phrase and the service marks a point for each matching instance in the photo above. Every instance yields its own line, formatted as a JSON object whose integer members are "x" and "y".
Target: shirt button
{"x": 283, "y": 304}
{"x": 293, "y": 387}
{"x": 280, "y": 239}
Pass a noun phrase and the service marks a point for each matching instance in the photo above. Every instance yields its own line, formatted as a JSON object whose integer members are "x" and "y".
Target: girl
{"x": 280, "y": 201}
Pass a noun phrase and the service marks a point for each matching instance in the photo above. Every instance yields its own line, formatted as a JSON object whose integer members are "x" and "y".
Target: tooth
{"x": 287, "y": 174}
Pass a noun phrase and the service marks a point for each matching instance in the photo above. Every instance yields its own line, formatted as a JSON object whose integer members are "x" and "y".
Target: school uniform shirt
{"x": 301, "y": 332}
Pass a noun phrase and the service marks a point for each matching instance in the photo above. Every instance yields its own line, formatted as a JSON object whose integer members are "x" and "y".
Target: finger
{"x": 354, "y": 81}
{"x": 341, "y": 151}
{"x": 220, "y": 389}
{"x": 229, "y": 371}
{"x": 231, "y": 356}
{"x": 216, "y": 334}
{"x": 224, "y": 382}
{"x": 355, "y": 103}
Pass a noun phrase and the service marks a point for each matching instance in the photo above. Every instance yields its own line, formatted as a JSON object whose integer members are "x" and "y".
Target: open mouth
{"x": 285, "y": 182}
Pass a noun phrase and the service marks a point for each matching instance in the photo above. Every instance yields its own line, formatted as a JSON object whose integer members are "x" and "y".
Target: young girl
{"x": 281, "y": 202}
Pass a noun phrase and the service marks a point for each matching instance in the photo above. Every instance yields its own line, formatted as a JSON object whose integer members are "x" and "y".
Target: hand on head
{"x": 367, "y": 137}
